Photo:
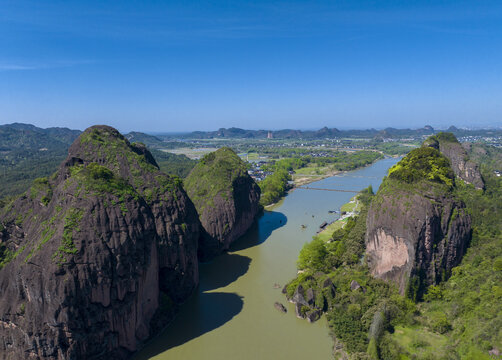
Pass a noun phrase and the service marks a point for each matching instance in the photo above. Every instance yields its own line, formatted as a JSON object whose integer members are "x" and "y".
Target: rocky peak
{"x": 104, "y": 145}
{"x": 97, "y": 256}
{"x": 226, "y": 198}
{"x": 417, "y": 230}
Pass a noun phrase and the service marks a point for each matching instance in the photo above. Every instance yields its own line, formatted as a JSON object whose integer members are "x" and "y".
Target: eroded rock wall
{"x": 94, "y": 250}
{"x": 412, "y": 234}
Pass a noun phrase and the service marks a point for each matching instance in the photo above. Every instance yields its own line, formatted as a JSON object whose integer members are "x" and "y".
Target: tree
{"x": 312, "y": 255}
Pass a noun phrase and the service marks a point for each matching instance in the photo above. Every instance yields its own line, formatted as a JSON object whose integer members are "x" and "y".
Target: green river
{"x": 232, "y": 314}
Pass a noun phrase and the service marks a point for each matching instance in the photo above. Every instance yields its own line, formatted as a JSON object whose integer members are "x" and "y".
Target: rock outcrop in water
{"x": 226, "y": 198}
{"x": 417, "y": 230}
{"x": 94, "y": 258}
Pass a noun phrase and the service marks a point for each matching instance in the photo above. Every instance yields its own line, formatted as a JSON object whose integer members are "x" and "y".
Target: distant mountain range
{"x": 325, "y": 132}
{"x": 27, "y": 137}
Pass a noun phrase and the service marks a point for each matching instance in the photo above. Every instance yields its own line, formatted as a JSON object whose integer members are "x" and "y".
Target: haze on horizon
{"x": 181, "y": 66}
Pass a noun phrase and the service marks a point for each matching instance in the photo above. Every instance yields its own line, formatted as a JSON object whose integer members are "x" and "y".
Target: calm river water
{"x": 232, "y": 315}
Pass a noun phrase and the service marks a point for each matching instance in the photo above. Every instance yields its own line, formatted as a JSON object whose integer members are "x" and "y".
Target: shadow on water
{"x": 260, "y": 231}
{"x": 222, "y": 271}
{"x": 203, "y": 313}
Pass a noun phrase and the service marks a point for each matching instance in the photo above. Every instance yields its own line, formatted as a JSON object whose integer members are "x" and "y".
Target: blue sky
{"x": 189, "y": 65}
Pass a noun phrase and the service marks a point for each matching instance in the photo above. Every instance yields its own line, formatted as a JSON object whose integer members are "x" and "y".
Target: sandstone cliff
{"x": 226, "y": 198}
{"x": 416, "y": 228}
{"x": 95, "y": 257}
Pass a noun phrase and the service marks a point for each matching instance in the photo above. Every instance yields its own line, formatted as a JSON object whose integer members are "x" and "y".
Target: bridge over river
{"x": 323, "y": 189}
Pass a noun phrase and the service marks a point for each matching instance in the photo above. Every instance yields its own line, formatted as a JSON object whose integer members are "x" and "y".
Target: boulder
{"x": 354, "y": 285}
{"x": 280, "y": 307}
{"x": 313, "y": 315}
{"x": 329, "y": 284}
{"x": 298, "y": 296}
{"x": 298, "y": 311}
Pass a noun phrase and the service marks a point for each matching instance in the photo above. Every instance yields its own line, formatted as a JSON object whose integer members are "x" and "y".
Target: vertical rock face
{"x": 226, "y": 198}
{"x": 417, "y": 231}
{"x": 425, "y": 239}
{"x": 89, "y": 254}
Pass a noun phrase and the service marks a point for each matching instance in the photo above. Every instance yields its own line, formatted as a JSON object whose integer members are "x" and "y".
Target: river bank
{"x": 308, "y": 179}
{"x": 304, "y": 179}
{"x": 347, "y": 211}
{"x": 232, "y": 314}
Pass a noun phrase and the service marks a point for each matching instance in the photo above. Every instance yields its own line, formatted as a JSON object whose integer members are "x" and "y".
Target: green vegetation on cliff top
{"x": 445, "y": 137}
{"x": 214, "y": 175}
{"x": 108, "y": 144}
{"x": 27, "y": 153}
{"x": 112, "y": 149}
{"x": 423, "y": 164}
{"x": 101, "y": 180}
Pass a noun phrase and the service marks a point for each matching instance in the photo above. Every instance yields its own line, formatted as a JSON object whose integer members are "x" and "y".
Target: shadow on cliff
{"x": 260, "y": 231}
{"x": 202, "y": 313}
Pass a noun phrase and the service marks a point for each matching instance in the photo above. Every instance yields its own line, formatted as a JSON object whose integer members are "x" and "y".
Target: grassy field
{"x": 325, "y": 235}
{"x": 311, "y": 173}
{"x": 313, "y": 170}
{"x": 350, "y": 206}
{"x": 252, "y": 156}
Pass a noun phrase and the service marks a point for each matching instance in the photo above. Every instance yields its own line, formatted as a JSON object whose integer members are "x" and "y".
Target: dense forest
{"x": 28, "y": 152}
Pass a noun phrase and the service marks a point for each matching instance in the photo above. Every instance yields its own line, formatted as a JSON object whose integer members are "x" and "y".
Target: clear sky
{"x": 201, "y": 65}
